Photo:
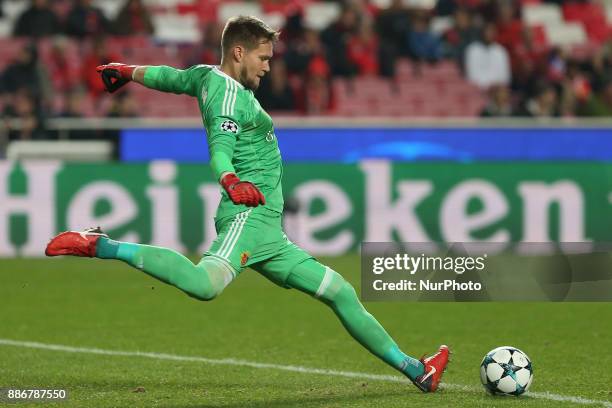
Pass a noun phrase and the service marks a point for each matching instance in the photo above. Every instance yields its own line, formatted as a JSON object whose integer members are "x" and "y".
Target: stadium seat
{"x": 592, "y": 16}
{"x": 172, "y": 27}
{"x": 408, "y": 90}
{"x": 542, "y": 14}
{"x": 417, "y": 88}
{"x": 163, "y": 4}
{"x": 438, "y": 90}
{"x": 206, "y": 11}
{"x": 276, "y": 20}
{"x": 443, "y": 70}
{"x": 71, "y": 51}
{"x": 6, "y": 27}
{"x": 404, "y": 68}
{"x": 566, "y": 34}
{"x": 110, "y": 8}
{"x": 381, "y": 4}
{"x": 439, "y": 25}
{"x": 124, "y": 44}
{"x": 584, "y": 12}
{"x": 420, "y": 4}
{"x": 9, "y": 47}
{"x": 598, "y": 31}
{"x": 230, "y": 9}
{"x": 319, "y": 15}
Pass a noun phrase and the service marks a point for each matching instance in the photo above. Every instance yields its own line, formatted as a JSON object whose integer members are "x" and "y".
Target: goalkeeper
{"x": 246, "y": 161}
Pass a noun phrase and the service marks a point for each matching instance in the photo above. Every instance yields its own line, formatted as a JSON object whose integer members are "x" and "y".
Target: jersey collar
{"x": 217, "y": 71}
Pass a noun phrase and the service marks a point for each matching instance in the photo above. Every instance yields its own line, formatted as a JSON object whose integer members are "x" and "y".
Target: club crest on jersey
{"x": 244, "y": 257}
{"x": 229, "y": 126}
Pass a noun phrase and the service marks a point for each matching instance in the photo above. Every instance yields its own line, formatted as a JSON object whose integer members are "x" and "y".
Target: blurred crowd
{"x": 520, "y": 75}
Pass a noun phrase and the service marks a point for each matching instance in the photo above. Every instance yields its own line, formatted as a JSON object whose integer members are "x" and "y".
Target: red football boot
{"x": 75, "y": 243}
{"x": 434, "y": 368}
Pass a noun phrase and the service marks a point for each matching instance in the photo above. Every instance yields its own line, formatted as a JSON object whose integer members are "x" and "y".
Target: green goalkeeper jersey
{"x": 240, "y": 133}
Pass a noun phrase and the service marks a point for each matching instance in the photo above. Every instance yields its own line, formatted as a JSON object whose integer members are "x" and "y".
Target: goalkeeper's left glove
{"x": 242, "y": 192}
{"x": 116, "y": 75}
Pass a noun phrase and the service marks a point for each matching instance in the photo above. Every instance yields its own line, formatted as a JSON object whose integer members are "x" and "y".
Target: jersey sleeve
{"x": 179, "y": 81}
{"x": 223, "y": 123}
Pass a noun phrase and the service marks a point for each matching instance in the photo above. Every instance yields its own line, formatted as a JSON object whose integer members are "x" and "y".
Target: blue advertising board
{"x": 350, "y": 145}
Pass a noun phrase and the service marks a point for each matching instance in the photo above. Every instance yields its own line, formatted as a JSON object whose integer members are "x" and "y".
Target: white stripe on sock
{"x": 327, "y": 278}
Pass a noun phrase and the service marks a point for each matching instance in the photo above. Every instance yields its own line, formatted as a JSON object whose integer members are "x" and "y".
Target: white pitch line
{"x": 297, "y": 369}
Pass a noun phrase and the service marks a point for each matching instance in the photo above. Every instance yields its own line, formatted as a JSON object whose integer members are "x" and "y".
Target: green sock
{"x": 406, "y": 364}
{"x": 106, "y": 248}
{"x": 203, "y": 281}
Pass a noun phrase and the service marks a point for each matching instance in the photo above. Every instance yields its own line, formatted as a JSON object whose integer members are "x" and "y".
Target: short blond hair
{"x": 247, "y": 31}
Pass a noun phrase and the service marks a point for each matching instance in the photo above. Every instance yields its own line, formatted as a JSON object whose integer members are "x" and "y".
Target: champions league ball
{"x": 506, "y": 371}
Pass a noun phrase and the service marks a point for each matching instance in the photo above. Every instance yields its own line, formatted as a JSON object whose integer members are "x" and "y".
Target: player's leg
{"x": 292, "y": 267}
{"x": 331, "y": 288}
{"x": 203, "y": 281}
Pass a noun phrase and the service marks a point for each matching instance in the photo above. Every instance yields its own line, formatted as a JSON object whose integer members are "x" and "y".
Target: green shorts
{"x": 254, "y": 238}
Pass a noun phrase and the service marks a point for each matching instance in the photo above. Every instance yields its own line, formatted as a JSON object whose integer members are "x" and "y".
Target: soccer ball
{"x": 506, "y": 371}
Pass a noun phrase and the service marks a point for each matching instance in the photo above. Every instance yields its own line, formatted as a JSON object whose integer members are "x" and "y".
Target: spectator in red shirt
{"x": 99, "y": 56}
{"x": 509, "y": 26}
{"x": 316, "y": 94}
{"x": 362, "y": 50}
{"x": 64, "y": 72}
{"x": 528, "y": 63}
{"x": 302, "y": 50}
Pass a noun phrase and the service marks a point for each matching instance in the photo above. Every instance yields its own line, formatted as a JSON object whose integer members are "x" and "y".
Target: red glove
{"x": 242, "y": 192}
{"x": 115, "y": 75}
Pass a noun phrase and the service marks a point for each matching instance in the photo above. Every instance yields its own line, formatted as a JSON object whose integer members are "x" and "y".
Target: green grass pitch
{"x": 86, "y": 303}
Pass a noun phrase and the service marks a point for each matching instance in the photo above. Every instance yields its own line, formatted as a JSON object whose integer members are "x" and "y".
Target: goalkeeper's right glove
{"x": 242, "y": 192}
{"x": 116, "y": 75}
